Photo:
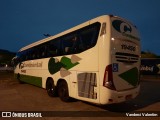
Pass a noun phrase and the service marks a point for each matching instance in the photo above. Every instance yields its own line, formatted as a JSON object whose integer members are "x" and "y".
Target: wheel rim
{"x": 63, "y": 91}
{"x": 50, "y": 89}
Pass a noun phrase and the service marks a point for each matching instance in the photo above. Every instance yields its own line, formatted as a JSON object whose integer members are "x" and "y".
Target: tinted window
{"x": 81, "y": 39}
{"x": 88, "y": 37}
{"x": 54, "y": 48}
{"x": 69, "y": 43}
{"x": 72, "y": 43}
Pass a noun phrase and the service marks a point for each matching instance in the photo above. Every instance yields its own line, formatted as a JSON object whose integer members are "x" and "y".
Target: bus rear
{"x": 121, "y": 76}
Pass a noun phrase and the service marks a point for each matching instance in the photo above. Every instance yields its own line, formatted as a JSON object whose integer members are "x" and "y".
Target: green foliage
{"x": 6, "y": 56}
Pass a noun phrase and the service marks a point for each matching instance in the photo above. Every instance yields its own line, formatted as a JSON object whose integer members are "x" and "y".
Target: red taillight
{"x": 108, "y": 78}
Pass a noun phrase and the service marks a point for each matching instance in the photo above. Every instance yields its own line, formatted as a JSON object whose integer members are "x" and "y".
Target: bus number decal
{"x": 128, "y": 47}
{"x": 23, "y": 71}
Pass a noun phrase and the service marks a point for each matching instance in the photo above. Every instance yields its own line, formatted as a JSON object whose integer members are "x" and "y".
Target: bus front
{"x": 121, "y": 76}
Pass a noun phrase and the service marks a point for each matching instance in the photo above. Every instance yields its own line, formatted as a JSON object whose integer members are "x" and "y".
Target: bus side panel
{"x": 86, "y": 71}
{"x": 104, "y": 60}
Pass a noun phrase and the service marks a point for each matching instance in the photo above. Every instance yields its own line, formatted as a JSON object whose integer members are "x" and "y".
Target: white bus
{"x": 97, "y": 61}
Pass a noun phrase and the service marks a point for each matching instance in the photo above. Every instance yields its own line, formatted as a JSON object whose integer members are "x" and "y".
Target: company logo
{"x": 21, "y": 65}
{"x": 122, "y": 26}
{"x": 30, "y": 64}
{"x": 147, "y": 68}
{"x": 152, "y": 68}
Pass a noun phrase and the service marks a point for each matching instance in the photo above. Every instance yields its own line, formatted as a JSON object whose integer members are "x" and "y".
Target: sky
{"x": 25, "y": 21}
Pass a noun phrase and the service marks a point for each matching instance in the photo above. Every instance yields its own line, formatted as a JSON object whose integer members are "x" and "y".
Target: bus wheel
{"x": 51, "y": 89}
{"x": 19, "y": 80}
{"x": 63, "y": 91}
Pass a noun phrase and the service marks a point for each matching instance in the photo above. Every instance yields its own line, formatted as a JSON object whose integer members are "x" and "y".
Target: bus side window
{"x": 69, "y": 44}
{"x": 75, "y": 47}
{"x": 89, "y": 37}
{"x": 54, "y": 48}
{"x": 23, "y": 56}
{"x": 42, "y": 52}
{"x": 38, "y": 52}
{"x": 30, "y": 54}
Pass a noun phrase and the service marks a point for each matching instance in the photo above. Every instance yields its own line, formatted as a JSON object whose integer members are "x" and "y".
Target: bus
{"x": 97, "y": 61}
{"x": 150, "y": 66}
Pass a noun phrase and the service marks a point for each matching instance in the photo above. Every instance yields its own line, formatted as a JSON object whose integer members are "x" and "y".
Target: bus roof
{"x": 65, "y": 32}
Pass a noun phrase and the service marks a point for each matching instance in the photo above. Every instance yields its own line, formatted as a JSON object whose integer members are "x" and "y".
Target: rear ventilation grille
{"x": 126, "y": 57}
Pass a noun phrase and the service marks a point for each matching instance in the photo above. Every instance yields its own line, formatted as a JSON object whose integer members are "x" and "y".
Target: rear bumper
{"x": 118, "y": 97}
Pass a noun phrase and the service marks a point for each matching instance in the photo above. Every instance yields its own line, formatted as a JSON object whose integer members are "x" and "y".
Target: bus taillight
{"x": 108, "y": 78}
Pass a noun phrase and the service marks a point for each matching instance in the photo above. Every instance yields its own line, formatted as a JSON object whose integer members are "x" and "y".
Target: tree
{"x": 6, "y": 56}
{"x": 148, "y": 54}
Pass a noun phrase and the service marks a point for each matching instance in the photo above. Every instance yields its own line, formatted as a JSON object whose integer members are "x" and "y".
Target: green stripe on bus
{"x": 131, "y": 76}
{"x": 67, "y": 63}
{"x": 37, "y": 81}
{"x": 54, "y": 66}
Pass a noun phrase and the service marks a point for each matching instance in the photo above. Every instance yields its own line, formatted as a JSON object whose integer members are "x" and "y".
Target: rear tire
{"x": 19, "y": 80}
{"x": 63, "y": 91}
{"x": 51, "y": 89}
